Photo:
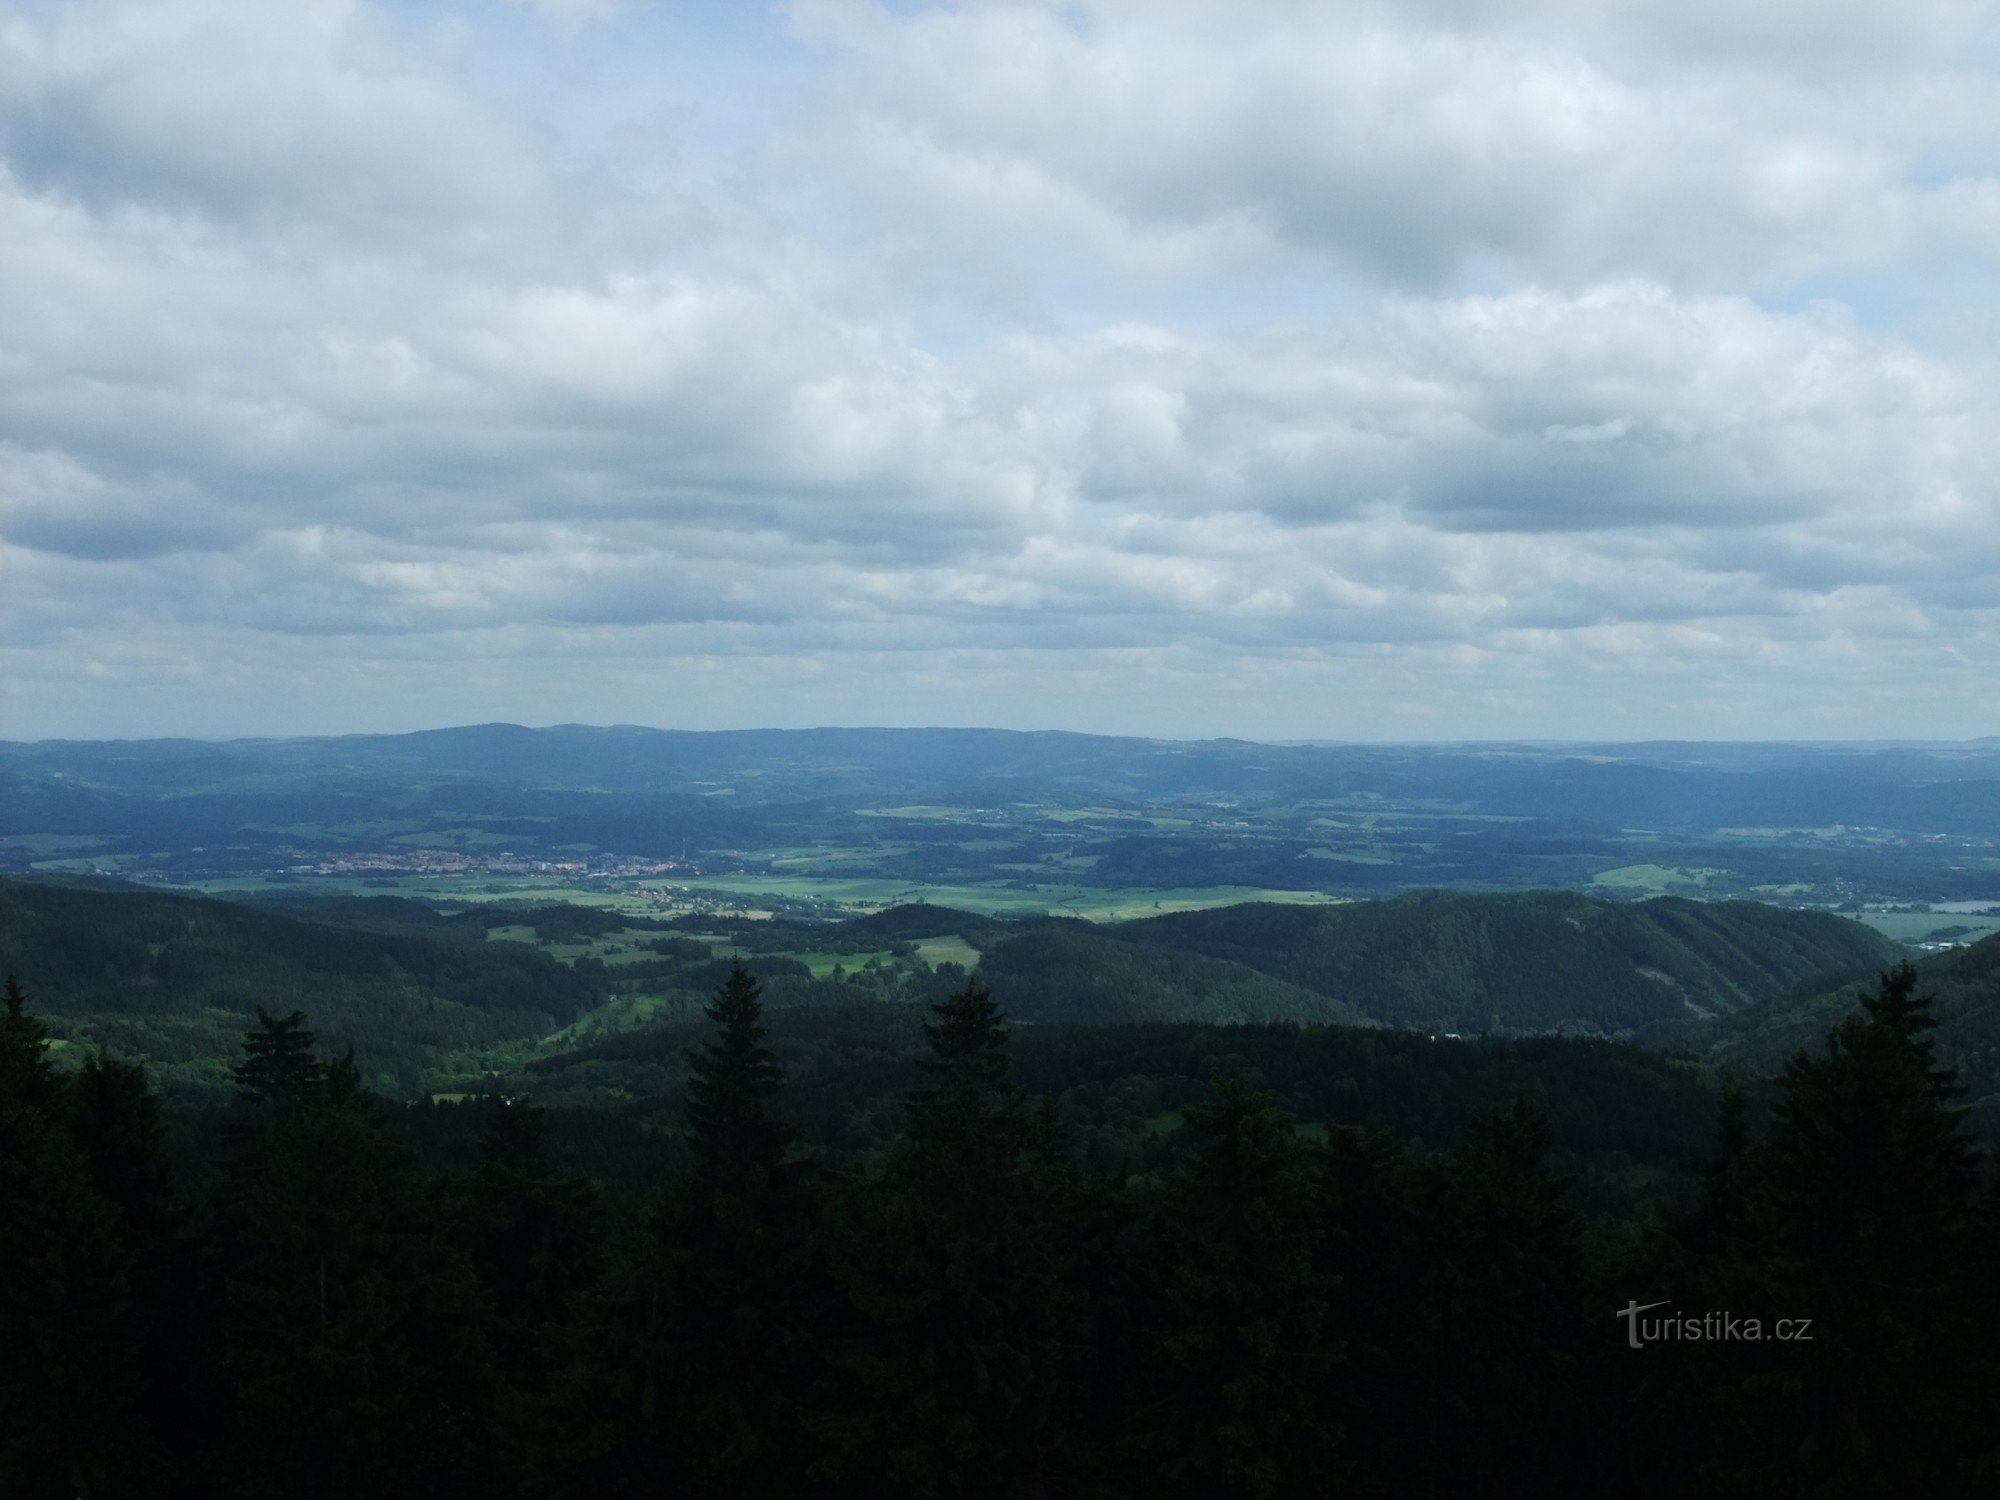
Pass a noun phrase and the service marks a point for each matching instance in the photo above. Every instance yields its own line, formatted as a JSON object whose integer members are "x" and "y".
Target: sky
{"x": 1357, "y": 371}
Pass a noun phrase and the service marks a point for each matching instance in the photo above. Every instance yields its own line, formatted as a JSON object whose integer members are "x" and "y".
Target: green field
{"x": 1091, "y": 903}
{"x": 948, "y": 950}
{"x": 437, "y": 890}
{"x": 55, "y": 843}
{"x": 614, "y": 948}
{"x": 1656, "y": 880}
{"x": 753, "y": 894}
{"x": 1920, "y": 927}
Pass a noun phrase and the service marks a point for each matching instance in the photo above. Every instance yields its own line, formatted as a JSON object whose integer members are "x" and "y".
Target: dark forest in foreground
{"x": 308, "y": 1306}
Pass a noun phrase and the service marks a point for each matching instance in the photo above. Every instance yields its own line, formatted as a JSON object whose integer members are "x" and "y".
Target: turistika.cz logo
{"x": 1714, "y": 1327}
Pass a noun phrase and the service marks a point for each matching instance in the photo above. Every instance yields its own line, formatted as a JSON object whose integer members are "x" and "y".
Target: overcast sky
{"x": 1440, "y": 370}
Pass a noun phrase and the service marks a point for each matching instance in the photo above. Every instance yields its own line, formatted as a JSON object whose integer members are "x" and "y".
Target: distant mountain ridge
{"x": 76, "y": 783}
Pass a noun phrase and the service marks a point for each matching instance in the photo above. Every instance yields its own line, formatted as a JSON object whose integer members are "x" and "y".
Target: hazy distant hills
{"x": 55, "y": 786}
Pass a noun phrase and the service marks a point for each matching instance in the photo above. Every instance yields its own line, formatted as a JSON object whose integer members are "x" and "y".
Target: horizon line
{"x": 1303, "y": 742}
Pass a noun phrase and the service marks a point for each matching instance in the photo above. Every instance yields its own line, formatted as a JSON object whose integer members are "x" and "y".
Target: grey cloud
{"x": 256, "y": 429}
{"x": 1568, "y": 144}
{"x": 57, "y": 505}
{"x": 269, "y": 113}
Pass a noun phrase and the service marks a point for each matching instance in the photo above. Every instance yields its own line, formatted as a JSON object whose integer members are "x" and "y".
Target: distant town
{"x": 460, "y": 863}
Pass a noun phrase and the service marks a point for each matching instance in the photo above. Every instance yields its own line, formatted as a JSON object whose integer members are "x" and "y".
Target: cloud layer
{"x": 1292, "y": 370}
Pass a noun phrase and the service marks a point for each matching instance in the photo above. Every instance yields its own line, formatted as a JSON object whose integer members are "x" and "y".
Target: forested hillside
{"x": 436, "y": 1001}
{"x": 1537, "y": 961}
{"x": 1965, "y": 987}
{"x": 1622, "y": 1119}
{"x": 1071, "y": 973}
{"x": 176, "y": 979}
{"x": 1113, "y": 1262}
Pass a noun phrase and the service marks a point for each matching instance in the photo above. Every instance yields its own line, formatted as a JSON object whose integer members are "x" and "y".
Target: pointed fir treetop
{"x": 968, "y": 1038}
{"x": 1889, "y": 1035}
{"x": 279, "y": 1063}
{"x": 971, "y": 1113}
{"x": 1868, "y": 1126}
{"x": 1899, "y": 1010}
{"x": 731, "y": 1078}
{"x": 1897, "y": 1005}
{"x": 27, "y": 1076}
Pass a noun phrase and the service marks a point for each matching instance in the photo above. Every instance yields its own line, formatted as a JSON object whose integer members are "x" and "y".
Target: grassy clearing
{"x": 823, "y": 964}
{"x": 89, "y": 864}
{"x": 1657, "y": 880}
{"x": 448, "y": 890}
{"x": 1926, "y": 927}
{"x": 1094, "y": 904}
{"x": 1355, "y": 856}
{"x": 750, "y": 895}
{"x": 948, "y": 950}
{"x": 56, "y": 843}
{"x": 624, "y": 947}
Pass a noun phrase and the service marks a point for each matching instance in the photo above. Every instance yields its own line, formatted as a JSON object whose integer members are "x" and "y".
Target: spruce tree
{"x": 732, "y": 1077}
{"x": 1505, "y": 1282}
{"x": 957, "y": 1270}
{"x": 704, "y": 1354}
{"x": 121, "y": 1137}
{"x": 280, "y": 1064}
{"x": 71, "y": 1376}
{"x": 27, "y": 1077}
{"x": 1374, "y": 1239}
{"x": 350, "y": 1332}
{"x": 1861, "y": 1220}
{"x": 535, "y": 1238}
{"x": 1244, "y": 1368}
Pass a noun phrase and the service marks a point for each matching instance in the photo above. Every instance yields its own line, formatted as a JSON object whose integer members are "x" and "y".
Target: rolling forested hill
{"x": 426, "y": 998}
{"x": 1535, "y": 961}
{"x": 1071, "y": 973}
{"x": 1964, "y": 985}
{"x": 177, "y": 979}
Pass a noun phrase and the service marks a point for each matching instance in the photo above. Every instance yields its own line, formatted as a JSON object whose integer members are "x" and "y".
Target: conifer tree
{"x": 70, "y": 1367}
{"x": 1244, "y": 1368}
{"x": 27, "y": 1077}
{"x": 1861, "y": 1220}
{"x": 704, "y": 1353}
{"x": 535, "y": 1233}
{"x": 120, "y": 1134}
{"x": 732, "y": 1078}
{"x": 1374, "y": 1239}
{"x": 961, "y": 1277}
{"x": 350, "y": 1331}
{"x": 280, "y": 1064}
{"x": 1505, "y": 1282}
{"x": 535, "y": 1238}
